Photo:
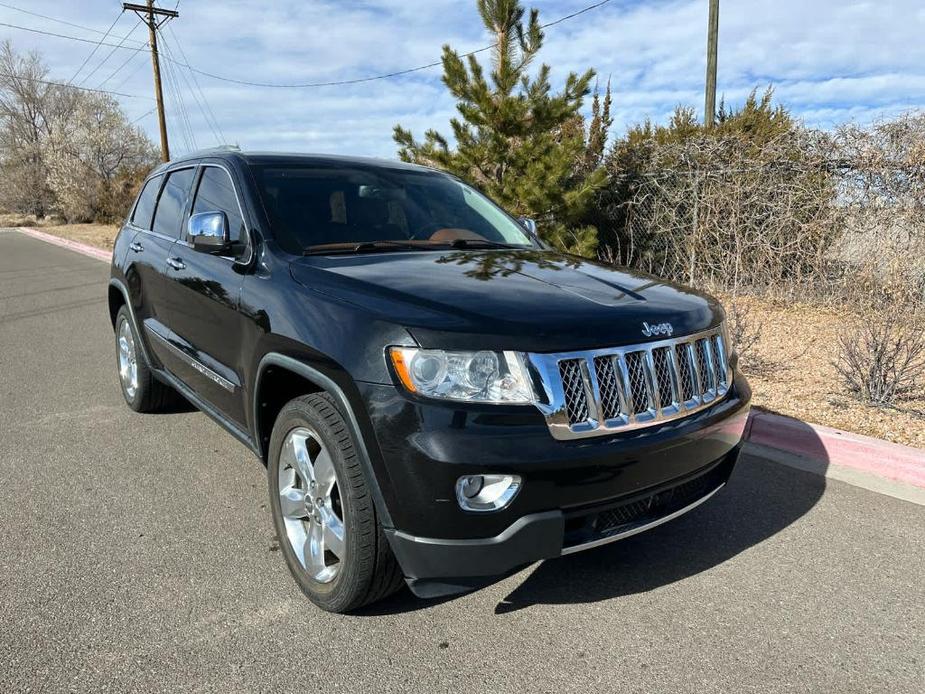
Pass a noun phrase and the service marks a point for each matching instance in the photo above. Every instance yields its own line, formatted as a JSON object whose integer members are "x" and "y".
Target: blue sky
{"x": 830, "y": 61}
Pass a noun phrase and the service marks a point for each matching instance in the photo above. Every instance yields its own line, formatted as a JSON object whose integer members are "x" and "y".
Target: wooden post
{"x": 709, "y": 109}
{"x": 147, "y": 13}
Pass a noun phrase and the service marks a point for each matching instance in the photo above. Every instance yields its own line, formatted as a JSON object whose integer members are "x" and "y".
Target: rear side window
{"x": 144, "y": 209}
{"x": 172, "y": 201}
{"x": 216, "y": 194}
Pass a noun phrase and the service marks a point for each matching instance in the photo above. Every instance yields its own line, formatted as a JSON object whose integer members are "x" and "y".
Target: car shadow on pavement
{"x": 761, "y": 499}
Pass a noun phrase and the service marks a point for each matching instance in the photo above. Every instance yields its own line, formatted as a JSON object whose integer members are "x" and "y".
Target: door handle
{"x": 135, "y": 247}
{"x": 176, "y": 263}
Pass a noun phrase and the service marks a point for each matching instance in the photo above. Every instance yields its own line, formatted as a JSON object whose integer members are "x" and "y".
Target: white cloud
{"x": 829, "y": 61}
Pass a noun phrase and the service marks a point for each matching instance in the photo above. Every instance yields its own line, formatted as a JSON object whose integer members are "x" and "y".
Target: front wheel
{"x": 323, "y": 513}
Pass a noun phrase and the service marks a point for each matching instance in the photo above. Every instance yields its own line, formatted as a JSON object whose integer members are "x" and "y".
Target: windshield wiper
{"x": 363, "y": 247}
{"x": 480, "y": 243}
{"x": 388, "y": 245}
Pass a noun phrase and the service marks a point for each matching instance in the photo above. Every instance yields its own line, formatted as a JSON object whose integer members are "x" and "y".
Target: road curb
{"x": 76, "y": 246}
{"x": 833, "y": 447}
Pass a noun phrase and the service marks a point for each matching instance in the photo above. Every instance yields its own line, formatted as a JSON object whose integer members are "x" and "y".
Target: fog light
{"x": 486, "y": 492}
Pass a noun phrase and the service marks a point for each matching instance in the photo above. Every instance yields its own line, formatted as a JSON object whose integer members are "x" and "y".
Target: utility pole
{"x": 709, "y": 109}
{"x": 147, "y": 13}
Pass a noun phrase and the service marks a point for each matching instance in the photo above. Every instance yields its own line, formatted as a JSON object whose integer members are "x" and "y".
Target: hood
{"x": 538, "y": 301}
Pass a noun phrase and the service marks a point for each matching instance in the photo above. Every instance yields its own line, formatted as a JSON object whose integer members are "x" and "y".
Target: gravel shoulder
{"x": 792, "y": 373}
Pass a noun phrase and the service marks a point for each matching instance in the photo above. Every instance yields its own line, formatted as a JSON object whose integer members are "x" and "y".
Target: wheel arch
{"x": 291, "y": 378}
{"x": 119, "y": 297}
{"x": 116, "y": 301}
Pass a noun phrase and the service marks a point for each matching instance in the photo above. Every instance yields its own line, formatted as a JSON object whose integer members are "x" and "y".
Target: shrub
{"x": 743, "y": 330}
{"x": 882, "y": 360}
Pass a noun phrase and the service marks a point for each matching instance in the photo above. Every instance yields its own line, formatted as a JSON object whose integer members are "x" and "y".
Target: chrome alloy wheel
{"x": 310, "y": 502}
{"x": 128, "y": 360}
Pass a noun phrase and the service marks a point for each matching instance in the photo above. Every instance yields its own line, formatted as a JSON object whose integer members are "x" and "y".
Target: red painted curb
{"x": 835, "y": 447}
{"x": 75, "y": 246}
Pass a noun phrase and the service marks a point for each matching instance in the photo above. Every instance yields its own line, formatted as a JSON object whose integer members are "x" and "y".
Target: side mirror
{"x": 208, "y": 232}
{"x": 528, "y": 224}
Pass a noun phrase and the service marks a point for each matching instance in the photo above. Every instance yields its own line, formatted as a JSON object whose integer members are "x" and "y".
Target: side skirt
{"x": 208, "y": 410}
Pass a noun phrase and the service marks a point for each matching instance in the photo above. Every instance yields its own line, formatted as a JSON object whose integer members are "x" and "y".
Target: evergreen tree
{"x": 515, "y": 139}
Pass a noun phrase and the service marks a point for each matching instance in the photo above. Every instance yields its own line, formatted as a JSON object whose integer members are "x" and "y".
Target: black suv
{"x": 438, "y": 397}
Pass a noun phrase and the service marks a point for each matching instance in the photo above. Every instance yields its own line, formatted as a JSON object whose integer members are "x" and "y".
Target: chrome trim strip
{"x": 640, "y": 528}
{"x": 194, "y": 363}
{"x": 708, "y": 388}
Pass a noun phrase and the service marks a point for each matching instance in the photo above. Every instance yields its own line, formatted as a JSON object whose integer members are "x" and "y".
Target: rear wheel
{"x": 328, "y": 529}
{"x": 141, "y": 390}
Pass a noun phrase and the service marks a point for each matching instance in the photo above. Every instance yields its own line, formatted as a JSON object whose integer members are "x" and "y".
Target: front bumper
{"x": 574, "y": 494}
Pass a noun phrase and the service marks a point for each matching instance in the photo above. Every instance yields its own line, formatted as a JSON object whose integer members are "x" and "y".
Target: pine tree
{"x": 516, "y": 140}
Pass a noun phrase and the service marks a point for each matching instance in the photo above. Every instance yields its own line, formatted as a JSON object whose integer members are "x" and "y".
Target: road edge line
{"x": 76, "y": 246}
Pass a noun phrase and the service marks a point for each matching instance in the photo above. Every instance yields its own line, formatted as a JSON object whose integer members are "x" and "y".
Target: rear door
{"x": 204, "y": 297}
{"x": 152, "y": 246}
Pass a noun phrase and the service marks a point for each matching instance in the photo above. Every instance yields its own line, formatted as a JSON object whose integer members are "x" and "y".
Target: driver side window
{"x": 216, "y": 194}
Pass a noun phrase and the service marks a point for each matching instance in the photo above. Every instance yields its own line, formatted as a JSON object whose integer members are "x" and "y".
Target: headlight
{"x": 489, "y": 377}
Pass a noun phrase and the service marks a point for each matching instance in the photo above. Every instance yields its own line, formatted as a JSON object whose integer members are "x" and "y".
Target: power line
{"x": 109, "y": 55}
{"x": 307, "y": 85}
{"x": 122, "y": 66}
{"x": 173, "y": 91}
{"x": 92, "y": 53}
{"x": 54, "y": 19}
{"x": 207, "y": 107}
{"x": 143, "y": 116}
{"x": 186, "y": 82}
{"x": 72, "y": 86}
{"x": 388, "y": 75}
{"x": 66, "y": 36}
{"x": 575, "y": 14}
{"x": 130, "y": 75}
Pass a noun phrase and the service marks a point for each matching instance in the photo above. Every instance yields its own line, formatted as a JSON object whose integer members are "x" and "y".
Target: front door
{"x": 204, "y": 296}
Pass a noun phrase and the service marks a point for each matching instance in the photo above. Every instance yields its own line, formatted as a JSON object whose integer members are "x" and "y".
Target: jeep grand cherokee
{"x": 439, "y": 397}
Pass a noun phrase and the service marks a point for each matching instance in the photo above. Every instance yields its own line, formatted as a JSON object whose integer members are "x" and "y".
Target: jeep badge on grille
{"x": 660, "y": 329}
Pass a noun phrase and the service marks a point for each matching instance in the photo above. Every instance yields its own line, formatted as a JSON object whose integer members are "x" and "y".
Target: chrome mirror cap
{"x": 208, "y": 232}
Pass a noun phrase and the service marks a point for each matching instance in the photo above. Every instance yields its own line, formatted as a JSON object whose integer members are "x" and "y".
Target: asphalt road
{"x": 137, "y": 554}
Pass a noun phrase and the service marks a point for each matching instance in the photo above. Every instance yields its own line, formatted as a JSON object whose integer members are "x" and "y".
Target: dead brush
{"x": 744, "y": 332}
{"x": 882, "y": 360}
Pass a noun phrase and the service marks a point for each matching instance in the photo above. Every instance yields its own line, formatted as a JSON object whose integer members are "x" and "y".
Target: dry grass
{"x": 98, "y": 235}
{"x": 792, "y": 372}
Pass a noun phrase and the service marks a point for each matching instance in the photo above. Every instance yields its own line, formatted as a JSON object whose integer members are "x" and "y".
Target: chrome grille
{"x": 573, "y": 385}
{"x": 704, "y": 365}
{"x": 719, "y": 350}
{"x": 661, "y": 358}
{"x": 639, "y": 389}
{"x": 611, "y": 390}
{"x": 685, "y": 373}
{"x": 609, "y": 387}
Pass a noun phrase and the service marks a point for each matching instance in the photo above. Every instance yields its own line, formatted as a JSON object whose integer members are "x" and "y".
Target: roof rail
{"x": 207, "y": 150}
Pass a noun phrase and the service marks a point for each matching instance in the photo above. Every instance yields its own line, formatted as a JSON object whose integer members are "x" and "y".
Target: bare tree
{"x": 24, "y": 126}
{"x": 64, "y": 150}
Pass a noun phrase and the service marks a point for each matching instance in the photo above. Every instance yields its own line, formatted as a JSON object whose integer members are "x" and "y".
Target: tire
{"x": 348, "y": 570}
{"x": 141, "y": 390}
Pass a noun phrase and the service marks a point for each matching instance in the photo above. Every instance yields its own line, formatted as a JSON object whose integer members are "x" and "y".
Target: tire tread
{"x": 377, "y": 573}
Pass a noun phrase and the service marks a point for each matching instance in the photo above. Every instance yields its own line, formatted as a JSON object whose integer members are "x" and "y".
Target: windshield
{"x": 340, "y": 208}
